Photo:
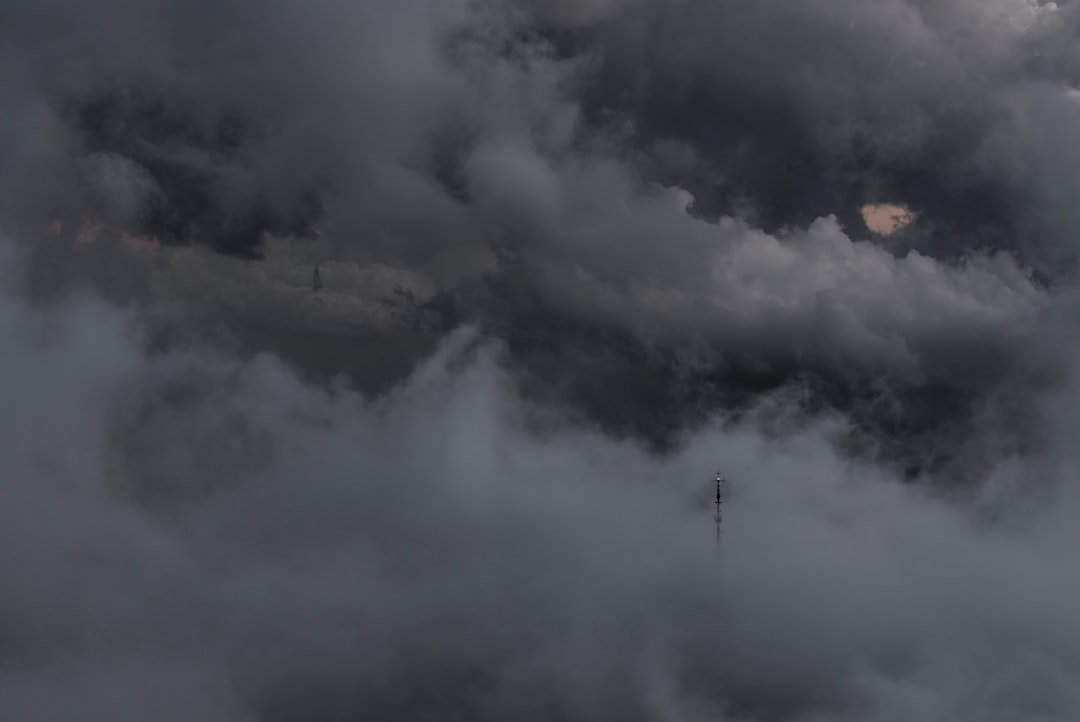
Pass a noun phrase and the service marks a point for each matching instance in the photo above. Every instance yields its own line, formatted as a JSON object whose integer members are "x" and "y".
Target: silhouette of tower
{"x": 718, "y": 517}
{"x": 316, "y": 280}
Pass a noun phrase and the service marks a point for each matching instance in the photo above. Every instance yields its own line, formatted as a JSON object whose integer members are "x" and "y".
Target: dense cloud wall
{"x": 188, "y": 534}
{"x": 570, "y": 257}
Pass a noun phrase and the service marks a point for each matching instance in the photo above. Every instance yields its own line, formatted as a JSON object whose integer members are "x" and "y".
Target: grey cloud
{"x": 220, "y": 538}
{"x": 814, "y": 109}
{"x": 572, "y": 257}
{"x": 265, "y": 121}
{"x": 533, "y": 177}
{"x": 694, "y": 297}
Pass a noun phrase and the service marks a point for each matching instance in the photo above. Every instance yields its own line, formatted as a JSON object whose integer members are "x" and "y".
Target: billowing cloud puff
{"x": 186, "y": 533}
{"x": 371, "y": 360}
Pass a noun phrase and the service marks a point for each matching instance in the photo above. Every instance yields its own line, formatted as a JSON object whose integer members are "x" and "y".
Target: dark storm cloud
{"x": 245, "y": 116}
{"x": 264, "y": 120}
{"x": 807, "y": 109}
{"x": 530, "y": 166}
{"x": 553, "y": 240}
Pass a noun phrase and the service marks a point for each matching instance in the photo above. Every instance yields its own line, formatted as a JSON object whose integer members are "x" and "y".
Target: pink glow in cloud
{"x": 139, "y": 244}
{"x": 88, "y": 231}
{"x": 886, "y": 218}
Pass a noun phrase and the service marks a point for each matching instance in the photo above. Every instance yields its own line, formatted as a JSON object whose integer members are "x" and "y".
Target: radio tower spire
{"x": 717, "y": 517}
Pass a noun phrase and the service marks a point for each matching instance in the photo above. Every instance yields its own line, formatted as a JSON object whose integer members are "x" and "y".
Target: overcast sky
{"x": 574, "y": 256}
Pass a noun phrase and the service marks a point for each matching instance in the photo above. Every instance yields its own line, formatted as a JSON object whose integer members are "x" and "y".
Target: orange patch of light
{"x": 886, "y": 218}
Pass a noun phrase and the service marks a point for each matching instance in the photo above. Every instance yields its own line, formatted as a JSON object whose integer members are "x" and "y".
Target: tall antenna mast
{"x": 717, "y": 517}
